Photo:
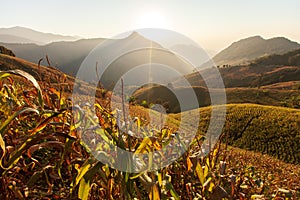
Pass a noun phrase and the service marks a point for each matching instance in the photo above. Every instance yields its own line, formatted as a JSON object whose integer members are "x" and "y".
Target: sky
{"x": 213, "y": 24}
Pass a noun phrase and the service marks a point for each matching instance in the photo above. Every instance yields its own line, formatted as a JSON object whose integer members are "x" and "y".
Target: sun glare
{"x": 151, "y": 20}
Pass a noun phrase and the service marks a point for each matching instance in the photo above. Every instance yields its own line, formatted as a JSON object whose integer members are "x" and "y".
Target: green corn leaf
{"x": 172, "y": 191}
{"x": 159, "y": 178}
{"x": 3, "y": 75}
{"x": 143, "y": 145}
{"x": 83, "y": 170}
{"x": 32, "y": 80}
{"x": 84, "y": 188}
{"x": 7, "y": 121}
{"x": 136, "y": 175}
{"x": 95, "y": 169}
{"x": 199, "y": 172}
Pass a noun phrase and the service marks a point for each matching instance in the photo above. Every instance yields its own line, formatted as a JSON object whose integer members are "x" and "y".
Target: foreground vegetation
{"x": 43, "y": 156}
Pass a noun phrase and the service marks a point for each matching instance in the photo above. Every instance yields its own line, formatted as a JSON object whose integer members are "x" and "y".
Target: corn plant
{"x": 44, "y": 155}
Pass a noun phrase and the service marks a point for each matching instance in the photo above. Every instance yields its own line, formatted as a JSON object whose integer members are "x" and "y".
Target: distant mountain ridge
{"x": 21, "y": 35}
{"x": 68, "y": 56}
{"x": 245, "y": 50}
{"x": 65, "y": 53}
{"x": 16, "y": 39}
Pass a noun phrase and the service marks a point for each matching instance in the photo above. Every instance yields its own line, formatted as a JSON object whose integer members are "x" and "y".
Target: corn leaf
{"x": 172, "y": 191}
{"x": 2, "y": 144}
{"x": 32, "y": 80}
{"x": 154, "y": 193}
{"x": 84, "y": 188}
{"x": 189, "y": 163}
{"x": 143, "y": 145}
{"x": 7, "y": 121}
{"x": 82, "y": 171}
{"x": 3, "y": 75}
{"x": 199, "y": 172}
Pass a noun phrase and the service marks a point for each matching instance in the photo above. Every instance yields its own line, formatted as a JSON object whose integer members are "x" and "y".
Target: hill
{"x": 6, "y": 51}
{"x": 39, "y": 72}
{"x": 262, "y": 82}
{"x": 47, "y": 76}
{"x": 262, "y": 71}
{"x": 247, "y": 76}
{"x": 267, "y": 95}
{"x": 245, "y": 50}
{"x": 19, "y": 34}
{"x": 267, "y": 129}
{"x": 269, "y": 80}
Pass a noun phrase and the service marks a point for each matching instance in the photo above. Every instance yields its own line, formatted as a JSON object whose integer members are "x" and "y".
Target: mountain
{"x": 259, "y": 72}
{"x": 197, "y": 57}
{"x": 242, "y": 51}
{"x": 121, "y": 55}
{"x": 16, "y": 39}
{"x": 66, "y": 56}
{"x": 19, "y": 34}
{"x": 136, "y": 59}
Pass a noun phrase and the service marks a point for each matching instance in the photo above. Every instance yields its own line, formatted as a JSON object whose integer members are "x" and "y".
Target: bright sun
{"x": 151, "y": 20}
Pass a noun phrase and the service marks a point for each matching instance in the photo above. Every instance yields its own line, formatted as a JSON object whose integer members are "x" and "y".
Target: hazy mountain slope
{"x": 244, "y": 50}
{"x": 30, "y": 35}
{"x": 68, "y": 57}
{"x": 194, "y": 55}
{"x": 148, "y": 64}
{"x": 5, "y": 38}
